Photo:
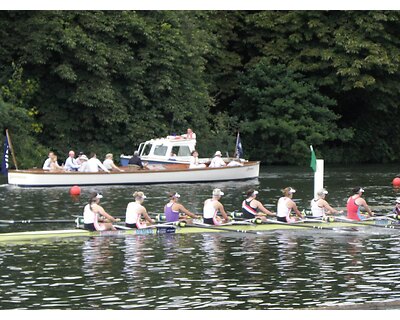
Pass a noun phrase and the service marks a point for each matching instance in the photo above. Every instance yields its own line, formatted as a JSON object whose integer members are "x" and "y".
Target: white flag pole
{"x": 319, "y": 177}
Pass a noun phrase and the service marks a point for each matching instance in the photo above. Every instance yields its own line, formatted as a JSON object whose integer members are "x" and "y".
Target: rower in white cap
{"x": 134, "y": 212}
{"x": 251, "y": 207}
{"x": 354, "y": 204}
{"x": 173, "y": 209}
{"x": 212, "y": 207}
{"x": 286, "y": 205}
{"x": 91, "y": 214}
{"x": 320, "y": 207}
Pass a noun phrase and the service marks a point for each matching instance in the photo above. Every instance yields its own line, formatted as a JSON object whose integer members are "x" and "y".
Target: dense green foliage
{"x": 106, "y": 81}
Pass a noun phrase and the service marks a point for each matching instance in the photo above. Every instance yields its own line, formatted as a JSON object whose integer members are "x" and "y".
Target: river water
{"x": 289, "y": 269}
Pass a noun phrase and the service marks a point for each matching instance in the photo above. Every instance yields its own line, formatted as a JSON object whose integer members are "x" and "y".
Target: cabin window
{"x": 181, "y": 151}
{"x": 160, "y": 150}
{"x": 146, "y": 150}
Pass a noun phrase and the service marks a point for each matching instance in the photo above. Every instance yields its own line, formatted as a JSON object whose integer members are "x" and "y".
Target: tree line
{"x": 105, "y": 81}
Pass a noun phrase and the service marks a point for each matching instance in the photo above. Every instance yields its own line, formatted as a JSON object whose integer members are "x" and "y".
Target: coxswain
{"x": 93, "y": 211}
{"x": 286, "y": 205}
{"x": 251, "y": 207}
{"x": 173, "y": 209}
{"x": 354, "y": 204}
{"x": 320, "y": 207}
{"x": 134, "y": 212}
{"x": 212, "y": 207}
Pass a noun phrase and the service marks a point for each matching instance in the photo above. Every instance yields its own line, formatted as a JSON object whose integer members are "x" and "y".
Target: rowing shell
{"x": 168, "y": 229}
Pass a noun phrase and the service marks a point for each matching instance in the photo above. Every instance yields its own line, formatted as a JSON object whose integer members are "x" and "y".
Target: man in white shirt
{"x": 189, "y": 134}
{"x": 46, "y": 165}
{"x": 217, "y": 161}
{"x": 71, "y": 163}
{"x": 94, "y": 164}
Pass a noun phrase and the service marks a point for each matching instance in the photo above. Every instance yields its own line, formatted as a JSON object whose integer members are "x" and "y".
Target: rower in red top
{"x": 354, "y": 203}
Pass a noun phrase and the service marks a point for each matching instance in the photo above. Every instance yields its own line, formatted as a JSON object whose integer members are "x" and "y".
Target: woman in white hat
{"x": 212, "y": 207}
{"x": 286, "y": 205}
{"x": 320, "y": 207}
{"x": 91, "y": 214}
{"x": 134, "y": 212}
{"x": 217, "y": 161}
{"x": 251, "y": 207}
{"x": 173, "y": 209}
{"x": 354, "y": 204}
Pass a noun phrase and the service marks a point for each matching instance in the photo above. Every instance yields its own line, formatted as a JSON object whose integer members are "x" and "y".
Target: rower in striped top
{"x": 251, "y": 207}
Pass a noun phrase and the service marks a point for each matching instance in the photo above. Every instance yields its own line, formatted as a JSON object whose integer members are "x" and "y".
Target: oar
{"x": 34, "y": 221}
{"x": 389, "y": 226}
{"x": 301, "y": 224}
{"x": 220, "y": 228}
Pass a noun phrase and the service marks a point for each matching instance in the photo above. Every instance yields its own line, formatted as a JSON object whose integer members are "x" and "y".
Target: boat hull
{"x": 165, "y": 229}
{"x": 157, "y": 175}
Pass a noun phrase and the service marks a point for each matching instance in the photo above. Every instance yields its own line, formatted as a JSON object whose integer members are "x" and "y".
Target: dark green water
{"x": 278, "y": 270}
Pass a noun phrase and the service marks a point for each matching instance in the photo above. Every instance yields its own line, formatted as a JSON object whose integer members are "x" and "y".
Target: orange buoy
{"x": 396, "y": 182}
{"x": 76, "y": 191}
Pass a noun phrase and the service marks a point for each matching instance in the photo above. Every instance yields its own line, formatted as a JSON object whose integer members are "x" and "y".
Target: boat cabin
{"x": 164, "y": 150}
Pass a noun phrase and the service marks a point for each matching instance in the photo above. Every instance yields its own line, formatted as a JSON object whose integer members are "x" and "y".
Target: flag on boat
{"x": 4, "y": 162}
{"x": 313, "y": 163}
{"x": 239, "y": 148}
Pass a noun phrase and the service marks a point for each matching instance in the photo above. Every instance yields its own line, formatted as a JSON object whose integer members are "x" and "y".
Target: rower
{"x": 286, "y": 205}
{"x": 354, "y": 204}
{"x": 396, "y": 209}
{"x": 134, "y": 212}
{"x": 91, "y": 214}
{"x": 251, "y": 207}
{"x": 320, "y": 207}
{"x": 173, "y": 209}
{"x": 212, "y": 207}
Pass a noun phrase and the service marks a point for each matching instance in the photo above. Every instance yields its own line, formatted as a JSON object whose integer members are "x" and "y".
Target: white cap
{"x": 255, "y": 192}
{"x": 83, "y": 157}
{"x": 291, "y": 190}
{"x": 217, "y": 192}
{"x": 218, "y": 153}
{"x": 397, "y": 200}
{"x": 322, "y": 192}
{"x": 99, "y": 196}
{"x": 176, "y": 195}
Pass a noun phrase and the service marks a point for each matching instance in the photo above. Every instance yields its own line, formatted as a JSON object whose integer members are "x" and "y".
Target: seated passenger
{"x": 94, "y": 164}
{"x": 194, "y": 161}
{"x": 46, "y": 165}
{"x": 235, "y": 163}
{"x": 109, "y": 163}
{"x": 71, "y": 164}
{"x": 135, "y": 160}
{"x": 83, "y": 160}
{"x": 217, "y": 161}
{"x": 189, "y": 134}
{"x": 54, "y": 166}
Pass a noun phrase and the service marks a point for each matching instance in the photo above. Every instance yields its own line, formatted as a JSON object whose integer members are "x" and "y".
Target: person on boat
{"x": 320, "y": 207}
{"x": 109, "y": 163}
{"x": 234, "y": 163}
{"x": 173, "y": 209}
{"x": 91, "y": 213}
{"x": 194, "y": 161}
{"x": 354, "y": 204}
{"x": 212, "y": 207}
{"x": 83, "y": 160}
{"x": 396, "y": 209}
{"x": 217, "y": 161}
{"x": 251, "y": 207}
{"x": 94, "y": 164}
{"x": 46, "y": 165}
{"x": 189, "y": 134}
{"x": 135, "y": 211}
{"x": 135, "y": 160}
{"x": 286, "y": 205}
{"x": 71, "y": 164}
{"x": 54, "y": 166}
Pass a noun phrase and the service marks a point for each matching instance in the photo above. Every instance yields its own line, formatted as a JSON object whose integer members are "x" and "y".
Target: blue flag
{"x": 239, "y": 148}
{"x": 4, "y": 163}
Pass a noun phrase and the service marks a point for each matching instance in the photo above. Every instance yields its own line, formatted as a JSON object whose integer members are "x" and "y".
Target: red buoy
{"x": 76, "y": 191}
{"x": 396, "y": 182}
